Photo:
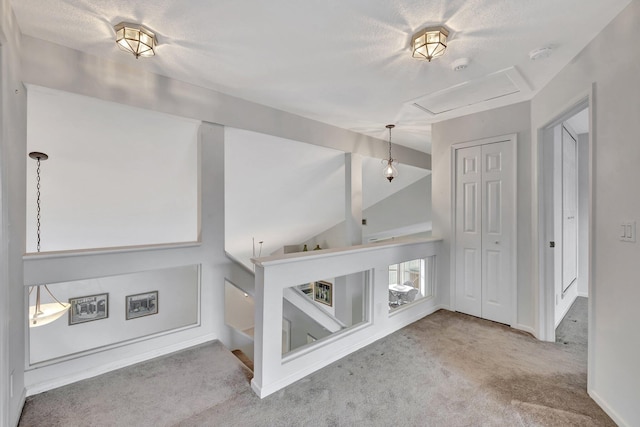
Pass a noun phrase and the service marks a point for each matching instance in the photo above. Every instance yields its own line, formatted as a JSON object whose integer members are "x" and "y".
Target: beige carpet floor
{"x": 447, "y": 369}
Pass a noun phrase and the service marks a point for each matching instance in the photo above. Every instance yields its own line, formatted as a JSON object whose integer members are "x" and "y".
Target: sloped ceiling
{"x": 346, "y": 63}
{"x": 283, "y": 192}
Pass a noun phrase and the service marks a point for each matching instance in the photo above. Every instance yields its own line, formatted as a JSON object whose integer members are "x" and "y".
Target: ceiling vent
{"x": 497, "y": 85}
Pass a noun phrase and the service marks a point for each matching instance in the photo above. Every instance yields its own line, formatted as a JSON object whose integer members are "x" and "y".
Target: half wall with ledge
{"x": 274, "y": 368}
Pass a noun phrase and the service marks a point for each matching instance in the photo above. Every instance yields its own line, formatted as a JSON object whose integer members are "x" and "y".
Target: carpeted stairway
{"x": 447, "y": 369}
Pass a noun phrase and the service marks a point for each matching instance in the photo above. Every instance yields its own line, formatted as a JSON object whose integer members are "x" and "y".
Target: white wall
{"x": 116, "y": 175}
{"x": 209, "y": 253}
{"x": 177, "y": 304}
{"x": 407, "y": 211}
{"x": 501, "y": 121}
{"x": 408, "y": 207}
{"x": 238, "y": 308}
{"x": 610, "y": 65}
{"x": 334, "y": 237}
{"x": 278, "y": 191}
{"x": 13, "y": 136}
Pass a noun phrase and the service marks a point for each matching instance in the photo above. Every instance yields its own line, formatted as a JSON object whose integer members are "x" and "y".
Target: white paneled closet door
{"x": 485, "y": 207}
{"x": 468, "y": 231}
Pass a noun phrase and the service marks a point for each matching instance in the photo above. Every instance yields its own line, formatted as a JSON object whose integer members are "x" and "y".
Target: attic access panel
{"x": 497, "y": 85}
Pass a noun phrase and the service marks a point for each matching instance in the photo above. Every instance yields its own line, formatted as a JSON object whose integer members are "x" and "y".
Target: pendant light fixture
{"x": 390, "y": 164}
{"x": 41, "y": 314}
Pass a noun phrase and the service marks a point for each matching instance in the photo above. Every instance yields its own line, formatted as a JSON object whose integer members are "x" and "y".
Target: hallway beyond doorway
{"x": 573, "y": 330}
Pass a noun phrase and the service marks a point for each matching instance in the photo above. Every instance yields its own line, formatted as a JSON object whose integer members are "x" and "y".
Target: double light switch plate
{"x": 628, "y": 232}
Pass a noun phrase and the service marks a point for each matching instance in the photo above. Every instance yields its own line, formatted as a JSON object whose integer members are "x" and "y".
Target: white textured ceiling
{"x": 346, "y": 63}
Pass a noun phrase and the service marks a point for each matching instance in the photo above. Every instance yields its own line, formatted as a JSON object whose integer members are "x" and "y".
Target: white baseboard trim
{"x": 18, "y": 414}
{"x": 583, "y": 294}
{"x": 606, "y": 408}
{"x": 118, "y": 364}
{"x": 525, "y": 328}
{"x": 256, "y": 389}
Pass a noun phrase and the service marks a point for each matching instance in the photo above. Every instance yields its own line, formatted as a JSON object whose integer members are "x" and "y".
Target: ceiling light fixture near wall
{"x": 41, "y": 314}
{"x": 135, "y": 39}
{"x": 390, "y": 164}
{"x": 429, "y": 43}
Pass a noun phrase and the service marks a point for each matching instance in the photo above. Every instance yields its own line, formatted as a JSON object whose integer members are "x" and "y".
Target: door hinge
{"x": 552, "y": 244}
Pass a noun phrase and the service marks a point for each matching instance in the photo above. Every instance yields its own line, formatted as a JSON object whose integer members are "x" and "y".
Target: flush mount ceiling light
{"x": 41, "y": 314}
{"x": 429, "y": 43}
{"x": 390, "y": 164}
{"x": 135, "y": 39}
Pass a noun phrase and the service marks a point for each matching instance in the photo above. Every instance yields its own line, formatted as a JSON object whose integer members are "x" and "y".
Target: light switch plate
{"x": 628, "y": 231}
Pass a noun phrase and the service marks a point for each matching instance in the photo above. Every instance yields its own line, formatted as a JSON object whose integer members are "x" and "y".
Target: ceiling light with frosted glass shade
{"x": 429, "y": 43}
{"x": 135, "y": 39}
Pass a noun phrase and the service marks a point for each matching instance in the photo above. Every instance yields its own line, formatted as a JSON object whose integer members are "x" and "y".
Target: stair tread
{"x": 243, "y": 358}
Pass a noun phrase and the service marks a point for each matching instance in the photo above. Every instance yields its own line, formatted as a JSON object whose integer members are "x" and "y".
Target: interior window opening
{"x": 409, "y": 281}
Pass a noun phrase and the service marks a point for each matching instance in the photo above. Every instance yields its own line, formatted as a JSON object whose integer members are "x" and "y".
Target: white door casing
{"x": 485, "y": 221}
{"x": 543, "y": 201}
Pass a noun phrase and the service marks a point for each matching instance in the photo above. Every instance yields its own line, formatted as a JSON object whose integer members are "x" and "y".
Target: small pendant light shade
{"x": 42, "y": 314}
{"x": 390, "y": 171}
{"x": 390, "y": 164}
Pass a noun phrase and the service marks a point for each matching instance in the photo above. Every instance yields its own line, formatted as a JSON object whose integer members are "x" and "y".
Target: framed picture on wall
{"x": 88, "y": 308}
{"x": 323, "y": 292}
{"x": 140, "y": 305}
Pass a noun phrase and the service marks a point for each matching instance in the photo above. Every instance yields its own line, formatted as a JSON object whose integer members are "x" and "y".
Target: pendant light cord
{"x": 38, "y": 234}
{"x": 38, "y": 201}
{"x": 389, "y": 159}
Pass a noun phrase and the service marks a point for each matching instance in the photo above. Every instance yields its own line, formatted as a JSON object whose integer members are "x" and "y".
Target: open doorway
{"x": 564, "y": 212}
